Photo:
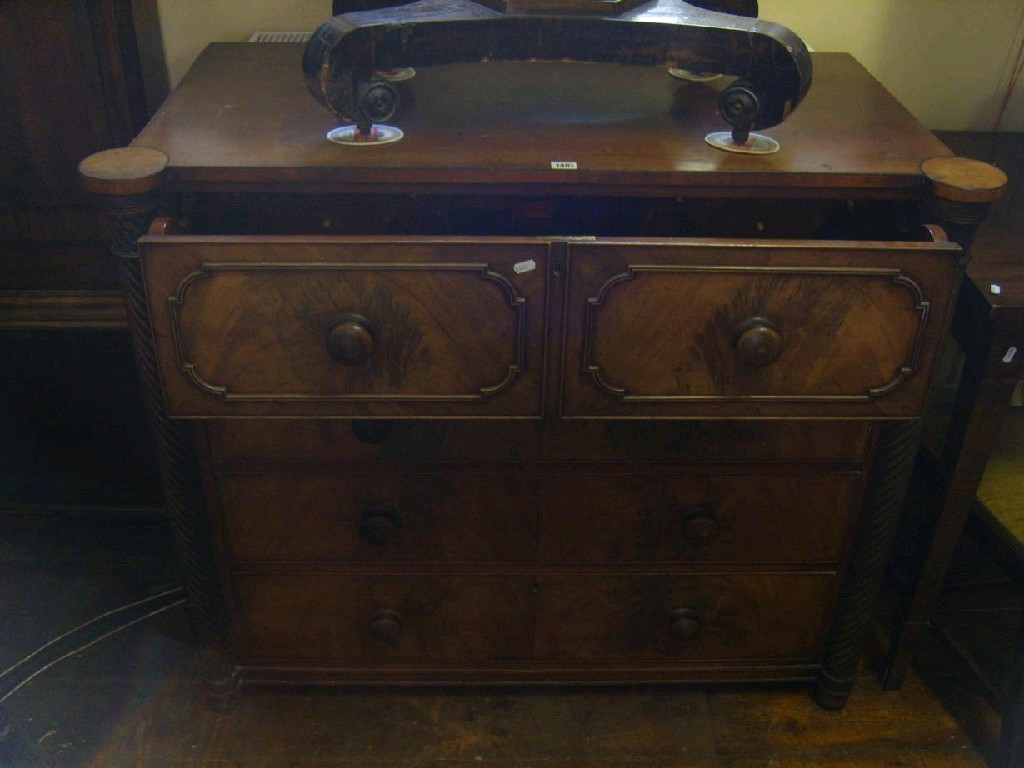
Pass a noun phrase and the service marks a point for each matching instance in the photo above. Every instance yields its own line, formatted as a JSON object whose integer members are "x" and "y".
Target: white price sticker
{"x": 524, "y": 266}
{"x": 563, "y": 165}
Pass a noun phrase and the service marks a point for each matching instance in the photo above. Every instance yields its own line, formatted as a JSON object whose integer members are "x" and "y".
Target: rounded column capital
{"x": 124, "y": 171}
{"x": 962, "y": 180}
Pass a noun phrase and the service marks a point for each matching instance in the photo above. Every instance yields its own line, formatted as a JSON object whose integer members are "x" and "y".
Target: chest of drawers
{"x": 443, "y": 412}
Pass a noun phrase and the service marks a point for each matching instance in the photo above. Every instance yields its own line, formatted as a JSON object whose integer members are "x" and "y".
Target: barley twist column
{"x": 129, "y": 185}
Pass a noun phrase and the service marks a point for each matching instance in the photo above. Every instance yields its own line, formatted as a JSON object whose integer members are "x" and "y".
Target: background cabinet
{"x": 71, "y": 83}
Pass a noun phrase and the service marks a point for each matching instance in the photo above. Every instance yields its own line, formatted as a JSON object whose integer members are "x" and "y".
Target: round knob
{"x": 379, "y": 525}
{"x": 350, "y": 340}
{"x": 699, "y": 526}
{"x": 758, "y": 342}
{"x": 683, "y": 624}
{"x": 385, "y": 624}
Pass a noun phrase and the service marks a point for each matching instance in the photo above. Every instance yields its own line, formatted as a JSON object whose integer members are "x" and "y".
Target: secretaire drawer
{"x": 343, "y": 326}
{"x": 706, "y": 328}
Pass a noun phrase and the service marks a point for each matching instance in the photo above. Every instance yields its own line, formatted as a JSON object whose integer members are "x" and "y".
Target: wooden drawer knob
{"x": 758, "y": 342}
{"x": 699, "y": 525}
{"x": 351, "y": 339}
{"x": 683, "y": 624}
{"x": 385, "y": 624}
{"x": 379, "y": 525}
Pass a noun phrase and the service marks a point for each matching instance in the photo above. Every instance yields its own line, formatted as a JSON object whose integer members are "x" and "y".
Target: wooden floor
{"x": 133, "y": 697}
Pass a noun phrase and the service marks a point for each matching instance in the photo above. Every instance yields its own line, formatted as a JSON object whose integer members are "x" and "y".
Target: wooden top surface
{"x": 1001, "y": 282}
{"x": 243, "y": 115}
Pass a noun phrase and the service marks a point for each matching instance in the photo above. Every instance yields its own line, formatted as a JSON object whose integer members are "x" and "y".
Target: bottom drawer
{"x": 323, "y": 617}
{"x": 578, "y": 618}
{"x": 705, "y": 617}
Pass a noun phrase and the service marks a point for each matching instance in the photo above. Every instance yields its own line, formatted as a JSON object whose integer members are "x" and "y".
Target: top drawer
{"x": 718, "y": 328}
{"x": 442, "y": 328}
{"x": 342, "y": 326}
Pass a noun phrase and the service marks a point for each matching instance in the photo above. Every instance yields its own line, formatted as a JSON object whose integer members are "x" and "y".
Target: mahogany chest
{"x": 549, "y": 391}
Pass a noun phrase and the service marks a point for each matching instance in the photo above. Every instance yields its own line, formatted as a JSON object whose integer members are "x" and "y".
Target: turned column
{"x": 883, "y": 501}
{"x": 963, "y": 190}
{"x": 129, "y": 185}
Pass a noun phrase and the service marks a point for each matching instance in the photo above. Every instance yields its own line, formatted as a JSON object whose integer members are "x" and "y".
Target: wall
{"x": 947, "y": 60}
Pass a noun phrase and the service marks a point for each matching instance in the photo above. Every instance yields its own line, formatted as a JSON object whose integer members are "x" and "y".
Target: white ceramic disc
{"x": 382, "y": 134}
{"x": 756, "y": 144}
{"x": 694, "y": 77}
{"x": 396, "y": 75}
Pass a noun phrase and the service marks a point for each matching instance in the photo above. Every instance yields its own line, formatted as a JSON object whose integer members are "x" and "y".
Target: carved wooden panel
{"x": 247, "y": 326}
{"x": 844, "y": 329}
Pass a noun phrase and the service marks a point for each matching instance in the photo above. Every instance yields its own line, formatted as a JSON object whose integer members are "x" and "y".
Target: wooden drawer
{"x": 380, "y": 441}
{"x": 341, "y": 326}
{"x": 746, "y": 329}
{"x": 703, "y": 442}
{"x": 381, "y": 517}
{"x": 594, "y": 518}
{"x": 411, "y": 440}
{"x": 325, "y": 617}
{"x": 548, "y": 516}
{"x": 587, "y": 618}
{"x": 595, "y": 618}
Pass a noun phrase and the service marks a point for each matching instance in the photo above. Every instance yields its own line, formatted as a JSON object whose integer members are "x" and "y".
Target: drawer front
{"x": 385, "y": 441}
{"x": 702, "y": 442}
{"x": 379, "y": 441}
{"x": 325, "y": 617}
{"x": 726, "y": 518}
{"x": 326, "y": 326}
{"x": 745, "y": 329}
{"x": 683, "y": 618}
{"x": 379, "y": 518}
{"x": 317, "y": 618}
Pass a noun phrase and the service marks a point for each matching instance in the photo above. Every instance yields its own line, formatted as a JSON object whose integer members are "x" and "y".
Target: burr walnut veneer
{"x": 549, "y": 390}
